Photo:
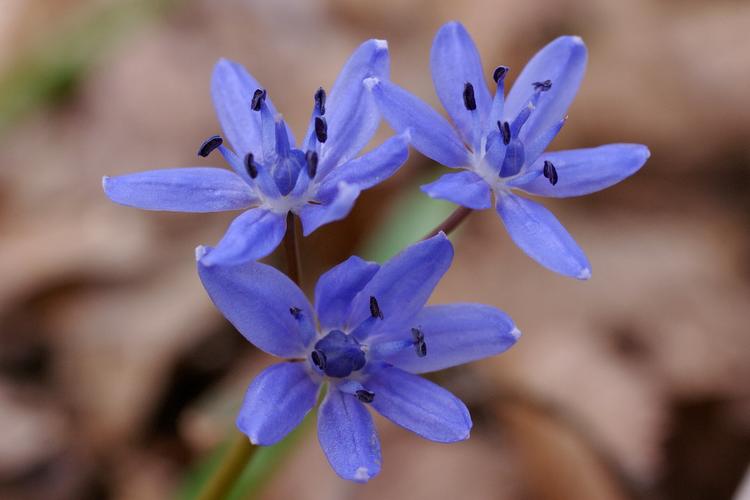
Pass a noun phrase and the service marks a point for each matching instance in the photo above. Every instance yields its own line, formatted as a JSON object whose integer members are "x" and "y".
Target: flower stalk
{"x": 451, "y": 222}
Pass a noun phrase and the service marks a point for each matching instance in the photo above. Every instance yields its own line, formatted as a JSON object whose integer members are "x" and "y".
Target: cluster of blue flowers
{"x": 368, "y": 332}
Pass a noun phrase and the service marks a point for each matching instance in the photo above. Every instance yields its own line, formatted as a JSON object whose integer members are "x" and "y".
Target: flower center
{"x": 338, "y": 354}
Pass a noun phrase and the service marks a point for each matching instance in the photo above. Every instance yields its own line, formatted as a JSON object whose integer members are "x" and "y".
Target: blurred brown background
{"x": 117, "y": 374}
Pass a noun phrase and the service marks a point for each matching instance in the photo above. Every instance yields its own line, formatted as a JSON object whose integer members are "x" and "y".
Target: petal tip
{"x": 516, "y": 333}
{"x": 200, "y": 252}
{"x": 105, "y": 182}
{"x": 584, "y": 275}
{"x": 380, "y": 44}
{"x": 362, "y": 475}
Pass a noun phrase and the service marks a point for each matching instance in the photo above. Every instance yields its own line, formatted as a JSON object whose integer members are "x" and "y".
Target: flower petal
{"x": 371, "y": 168}
{"x": 348, "y": 437}
{"x": 430, "y": 133}
{"x": 455, "y": 61}
{"x": 464, "y": 188}
{"x": 256, "y": 299}
{"x": 340, "y": 204}
{"x": 457, "y": 334}
{"x": 404, "y": 283}
{"x": 232, "y": 90}
{"x": 336, "y": 289}
{"x": 538, "y": 233}
{"x": 563, "y": 62}
{"x": 195, "y": 189}
{"x": 251, "y": 236}
{"x": 276, "y": 402}
{"x": 584, "y": 171}
{"x": 351, "y": 114}
{"x": 419, "y": 405}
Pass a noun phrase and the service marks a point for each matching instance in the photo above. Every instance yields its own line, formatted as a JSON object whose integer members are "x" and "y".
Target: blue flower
{"x": 499, "y": 142}
{"x": 367, "y": 336}
{"x": 319, "y": 181}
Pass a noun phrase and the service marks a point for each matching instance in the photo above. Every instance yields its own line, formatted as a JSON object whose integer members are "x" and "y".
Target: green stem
{"x": 241, "y": 449}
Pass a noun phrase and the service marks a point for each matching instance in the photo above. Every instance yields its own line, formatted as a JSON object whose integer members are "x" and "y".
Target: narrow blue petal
{"x": 584, "y": 171}
{"x": 348, "y": 437}
{"x": 256, "y": 299}
{"x": 464, "y": 188}
{"x": 232, "y": 89}
{"x": 430, "y": 133}
{"x": 351, "y": 112}
{"x": 313, "y": 216}
{"x": 336, "y": 289}
{"x": 456, "y": 334}
{"x": 194, "y": 189}
{"x": 251, "y": 236}
{"x": 563, "y": 62}
{"x": 538, "y": 233}
{"x": 419, "y": 405}
{"x": 538, "y": 144}
{"x": 276, "y": 402}
{"x": 371, "y": 168}
{"x": 455, "y": 61}
{"x": 404, "y": 283}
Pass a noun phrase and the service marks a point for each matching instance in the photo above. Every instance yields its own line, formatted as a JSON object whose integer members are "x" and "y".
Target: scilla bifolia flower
{"x": 499, "y": 142}
{"x": 319, "y": 180}
{"x": 367, "y": 336}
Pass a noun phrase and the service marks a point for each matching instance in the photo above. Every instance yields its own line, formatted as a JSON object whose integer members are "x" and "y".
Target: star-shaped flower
{"x": 367, "y": 336}
{"x": 499, "y": 142}
{"x": 319, "y": 181}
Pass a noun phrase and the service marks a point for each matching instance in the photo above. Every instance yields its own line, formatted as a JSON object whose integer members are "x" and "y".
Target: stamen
{"x": 365, "y": 396}
{"x": 417, "y": 334}
{"x": 375, "y": 311}
{"x": 550, "y": 172}
{"x": 311, "y": 157}
{"x": 209, "y": 145}
{"x": 319, "y": 359}
{"x": 420, "y": 346}
{"x": 250, "y": 166}
{"x": 469, "y": 100}
{"x": 321, "y": 129}
{"x": 505, "y": 130}
{"x": 320, "y": 101}
{"x": 295, "y": 311}
{"x": 500, "y": 73}
{"x": 542, "y": 86}
{"x": 259, "y": 96}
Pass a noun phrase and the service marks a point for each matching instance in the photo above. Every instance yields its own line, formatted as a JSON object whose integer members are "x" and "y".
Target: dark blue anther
{"x": 340, "y": 353}
{"x": 420, "y": 346}
{"x": 365, "y": 396}
{"x": 209, "y": 145}
{"x": 550, "y": 172}
{"x": 296, "y": 312}
{"x": 375, "y": 311}
{"x": 499, "y": 74}
{"x": 505, "y": 130}
{"x": 259, "y": 96}
{"x": 542, "y": 86}
{"x": 469, "y": 100}
{"x": 321, "y": 129}
{"x": 250, "y": 166}
{"x": 320, "y": 101}
{"x": 311, "y": 157}
{"x": 319, "y": 359}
